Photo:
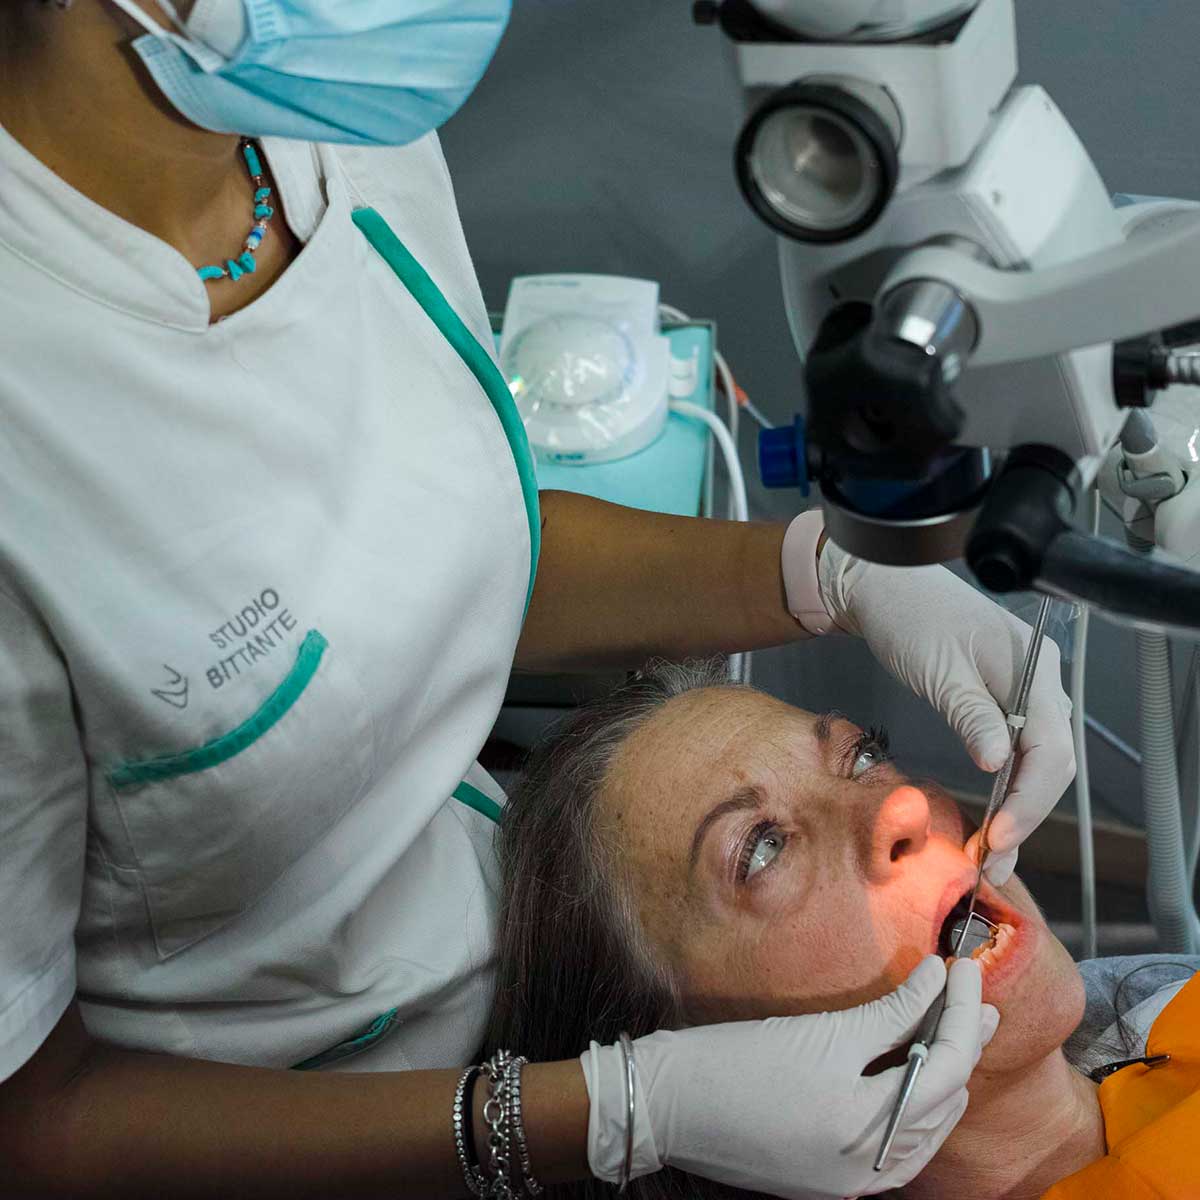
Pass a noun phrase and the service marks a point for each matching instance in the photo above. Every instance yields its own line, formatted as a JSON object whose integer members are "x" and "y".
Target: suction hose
{"x": 1169, "y": 890}
{"x": 1083, "y": 788}
{"x": 1169, "y": 886}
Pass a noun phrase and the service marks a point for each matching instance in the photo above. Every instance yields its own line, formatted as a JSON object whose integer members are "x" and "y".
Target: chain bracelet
{"x": 532, "y": 1187}
{"x": 498, "y": 1116}
{"x": 472, "y": 1176}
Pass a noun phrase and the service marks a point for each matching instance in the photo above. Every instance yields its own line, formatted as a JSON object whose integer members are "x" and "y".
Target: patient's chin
{"x": 1037, "y": 1018}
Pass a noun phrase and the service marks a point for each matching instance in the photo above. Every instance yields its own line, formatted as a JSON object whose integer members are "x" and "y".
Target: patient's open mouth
{"x": 987, "y": 939}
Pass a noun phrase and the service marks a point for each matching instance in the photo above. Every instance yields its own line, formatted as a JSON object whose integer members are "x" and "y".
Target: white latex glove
{"x": 781, "y": 1106}
{"x": 964, "y": 654}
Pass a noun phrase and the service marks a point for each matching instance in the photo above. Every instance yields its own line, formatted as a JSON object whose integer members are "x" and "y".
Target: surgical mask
{"x": 366, "y": 72}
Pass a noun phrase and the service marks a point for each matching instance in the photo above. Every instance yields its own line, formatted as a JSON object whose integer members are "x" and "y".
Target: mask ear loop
{"x": 204, "y": 57}
{"x": 173, "y": 13}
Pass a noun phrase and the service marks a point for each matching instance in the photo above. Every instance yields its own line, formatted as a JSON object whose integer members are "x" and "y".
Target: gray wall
{"x": 600, "y": 140}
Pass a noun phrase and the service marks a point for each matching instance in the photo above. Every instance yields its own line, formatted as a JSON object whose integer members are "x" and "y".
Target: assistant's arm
{"x": 617, "y": 585}
{"x": 87, "y": 1120}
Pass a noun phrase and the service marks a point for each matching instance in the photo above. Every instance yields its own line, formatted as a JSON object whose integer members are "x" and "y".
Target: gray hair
{"x": 574, "y": 964}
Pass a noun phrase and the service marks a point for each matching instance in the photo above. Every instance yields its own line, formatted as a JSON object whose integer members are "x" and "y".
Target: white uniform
{"x": 260, "y": 587}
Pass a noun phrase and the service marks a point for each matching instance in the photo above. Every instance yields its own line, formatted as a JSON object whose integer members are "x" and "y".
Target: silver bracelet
{"x": 497, "y": 1114}
{"x": 532, "y": 1187}
{"x": 630, "y": 1110}
{"x": 472, "y": 1177}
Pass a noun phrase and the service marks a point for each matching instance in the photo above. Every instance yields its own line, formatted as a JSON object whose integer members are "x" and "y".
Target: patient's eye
{"x": 864, "y": 762}
{"x": 761, "y": 848}
{"x": 870, "y": 750}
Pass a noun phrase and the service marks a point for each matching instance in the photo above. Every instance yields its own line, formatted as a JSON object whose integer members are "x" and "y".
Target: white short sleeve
{"x": 43, "y": 820}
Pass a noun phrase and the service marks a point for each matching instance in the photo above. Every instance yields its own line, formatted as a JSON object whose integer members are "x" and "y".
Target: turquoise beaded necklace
{"x": 244, "y": 264}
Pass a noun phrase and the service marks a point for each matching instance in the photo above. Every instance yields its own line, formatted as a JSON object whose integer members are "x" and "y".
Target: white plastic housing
{"x": 1032, "y": 198}
{"x": 945, "y": 93}
{"x": 586, "y": 364}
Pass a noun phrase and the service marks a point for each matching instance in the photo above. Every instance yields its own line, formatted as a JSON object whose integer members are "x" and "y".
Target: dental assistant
{"x": 270, "y": 545}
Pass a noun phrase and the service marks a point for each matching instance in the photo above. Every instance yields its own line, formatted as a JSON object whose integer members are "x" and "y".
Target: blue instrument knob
{"x": 782, "y": 461}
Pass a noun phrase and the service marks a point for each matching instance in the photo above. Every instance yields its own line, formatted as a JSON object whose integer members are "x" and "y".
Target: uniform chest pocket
{"x": 213, "y": 827}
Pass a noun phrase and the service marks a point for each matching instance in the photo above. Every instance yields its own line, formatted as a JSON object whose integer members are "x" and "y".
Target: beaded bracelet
{"x": 464, "y": 1133}
{"x": 532, "y": 1187}
{"x": 502, "y": 1112}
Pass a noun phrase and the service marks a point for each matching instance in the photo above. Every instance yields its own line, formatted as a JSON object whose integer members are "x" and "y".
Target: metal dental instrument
{"x": 973, "y": 930}
{"x": 1016, "y": 722}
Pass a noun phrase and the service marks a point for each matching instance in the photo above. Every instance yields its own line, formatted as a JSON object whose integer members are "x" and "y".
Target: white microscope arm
{"x": 1141, "y": 286}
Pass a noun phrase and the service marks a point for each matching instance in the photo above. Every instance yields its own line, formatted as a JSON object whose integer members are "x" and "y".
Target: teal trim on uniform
{"x": 227, "y": 745}
{"x": 472, "y": 797}
{"x": 414, "y": 277}
{"x": 479, "y": 362}
{"x": 378, "y": 1029}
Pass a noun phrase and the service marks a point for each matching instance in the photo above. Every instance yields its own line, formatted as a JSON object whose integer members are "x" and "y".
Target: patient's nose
{"x": 901, "y": 829}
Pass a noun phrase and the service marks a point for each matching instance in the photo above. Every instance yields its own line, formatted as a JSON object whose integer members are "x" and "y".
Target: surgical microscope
{"x": 976, "y": 319}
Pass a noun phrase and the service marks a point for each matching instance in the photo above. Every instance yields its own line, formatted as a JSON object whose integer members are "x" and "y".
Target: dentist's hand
{"x": 781, "y": 1106}
{"x": 964, "y": 654}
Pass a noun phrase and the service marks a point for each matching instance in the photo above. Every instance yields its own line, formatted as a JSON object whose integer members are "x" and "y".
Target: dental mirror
{"x": 978, "y": 935}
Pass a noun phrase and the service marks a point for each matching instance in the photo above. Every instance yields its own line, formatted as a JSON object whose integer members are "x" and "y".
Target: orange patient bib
{"x": 1151, "y": 1118}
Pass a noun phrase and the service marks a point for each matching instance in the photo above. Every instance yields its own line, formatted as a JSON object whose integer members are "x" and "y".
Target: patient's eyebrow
{"x": 742, "y": 799}
{"x": 824, "y": 726}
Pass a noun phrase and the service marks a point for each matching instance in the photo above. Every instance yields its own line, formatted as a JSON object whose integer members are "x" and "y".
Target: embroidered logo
{"x": 178, "y": 697}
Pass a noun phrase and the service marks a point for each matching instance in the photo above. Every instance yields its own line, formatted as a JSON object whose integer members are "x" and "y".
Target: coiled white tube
{"x": 1184, "y": 368}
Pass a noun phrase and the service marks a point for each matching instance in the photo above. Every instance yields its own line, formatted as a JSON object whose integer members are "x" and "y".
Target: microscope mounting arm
{"x": 1135, "y": 288}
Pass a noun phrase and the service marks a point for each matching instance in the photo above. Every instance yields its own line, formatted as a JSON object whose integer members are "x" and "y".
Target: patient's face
{"x": 781, "y": 865}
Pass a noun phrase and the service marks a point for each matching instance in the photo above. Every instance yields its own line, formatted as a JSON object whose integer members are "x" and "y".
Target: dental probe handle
{"x": 1016, "y": 722}
{"x": 918, "y": 1052}
{"x": 927, "y": 1029}
{"x": 915, "y": 1063}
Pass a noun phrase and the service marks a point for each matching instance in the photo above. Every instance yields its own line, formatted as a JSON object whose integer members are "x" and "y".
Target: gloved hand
{"x": 964, "y": 654}
{"x": 781, "y": 1106}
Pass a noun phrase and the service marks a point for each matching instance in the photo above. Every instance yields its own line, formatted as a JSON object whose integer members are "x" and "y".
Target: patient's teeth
{"x": 1001, "y": 938}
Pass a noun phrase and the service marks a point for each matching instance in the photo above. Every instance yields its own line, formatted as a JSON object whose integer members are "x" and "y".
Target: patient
{"x": 689, "y": 852}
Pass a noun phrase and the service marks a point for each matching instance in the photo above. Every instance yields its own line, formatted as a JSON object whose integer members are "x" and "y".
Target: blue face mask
{"x": 367, "y": 72}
